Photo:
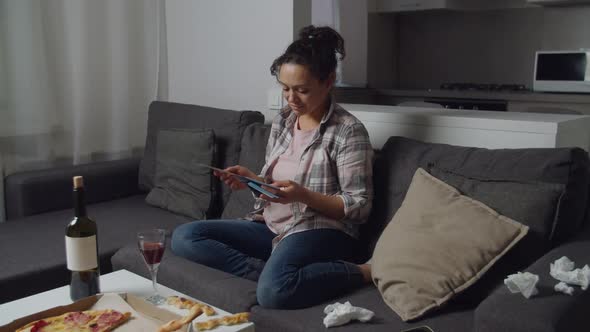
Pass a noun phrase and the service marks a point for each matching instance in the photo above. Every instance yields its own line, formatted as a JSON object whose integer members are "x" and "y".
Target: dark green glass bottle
{"x": 82, "y": 248}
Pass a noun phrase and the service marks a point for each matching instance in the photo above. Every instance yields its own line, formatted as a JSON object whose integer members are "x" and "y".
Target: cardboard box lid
{"x": 146, "y": 312}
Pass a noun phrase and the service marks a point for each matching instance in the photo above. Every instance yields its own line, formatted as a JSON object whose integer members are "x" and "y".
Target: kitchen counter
{"x": 494, "y": 130}
{"x": 527, "y": 96}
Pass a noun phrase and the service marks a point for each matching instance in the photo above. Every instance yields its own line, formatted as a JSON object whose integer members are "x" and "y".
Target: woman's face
{"x": 304, "y": 93}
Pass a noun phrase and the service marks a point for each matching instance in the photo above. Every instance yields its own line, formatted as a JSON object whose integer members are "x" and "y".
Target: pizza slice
{"x": 83, "y": 321}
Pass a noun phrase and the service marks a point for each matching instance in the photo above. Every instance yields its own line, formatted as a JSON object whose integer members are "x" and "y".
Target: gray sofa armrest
{"x": 34, "y": 192}
{"x": 548, "y": 310}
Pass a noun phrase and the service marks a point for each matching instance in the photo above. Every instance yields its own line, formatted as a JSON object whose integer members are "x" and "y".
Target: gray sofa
{"x": 38, "y": 210}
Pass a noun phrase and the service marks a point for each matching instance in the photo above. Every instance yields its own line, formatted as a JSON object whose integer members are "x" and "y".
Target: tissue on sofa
{"x": 563, "y": 270}
{"x": 562, "y": 287}
{"x": 339, "y": 314}
{"x": 525, "y": 283}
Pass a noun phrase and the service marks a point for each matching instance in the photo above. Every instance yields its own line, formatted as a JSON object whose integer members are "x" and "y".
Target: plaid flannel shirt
{"x": 338, "y": 161}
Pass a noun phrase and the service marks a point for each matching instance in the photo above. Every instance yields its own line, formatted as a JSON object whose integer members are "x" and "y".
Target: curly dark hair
{"x": 316, "y": 48}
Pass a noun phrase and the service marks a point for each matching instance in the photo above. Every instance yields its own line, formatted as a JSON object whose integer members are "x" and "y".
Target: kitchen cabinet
{"x": 392, "y": 6}
{"x": 558, "y": 2}
{"x": 526, "y": 101}
{"x": 409, "y": 5}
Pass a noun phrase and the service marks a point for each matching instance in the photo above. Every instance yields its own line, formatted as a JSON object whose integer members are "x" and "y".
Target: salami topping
{"x": 40, "y": 324}
{"x": 77, "y": 318}
{"x": 109, "y": 317}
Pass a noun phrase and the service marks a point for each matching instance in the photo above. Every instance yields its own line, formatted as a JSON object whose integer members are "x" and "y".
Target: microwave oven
{"x": 562, "y": 71}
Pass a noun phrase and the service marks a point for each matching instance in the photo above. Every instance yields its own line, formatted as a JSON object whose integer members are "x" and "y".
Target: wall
{"x": 381, "y": 49}
{"x": 302, "y": 15}
{"x": 482, "y": 46}
{"x": 220, "y": 51}
{"x": 349, "y": 18}
{"x": 352, "y": 25}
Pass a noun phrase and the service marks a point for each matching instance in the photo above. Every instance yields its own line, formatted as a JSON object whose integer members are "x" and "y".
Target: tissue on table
{"x": 564, "y": 288}
{"x": 339, "y": 314}
{"x": 563, "y": 270}
{"x": 525, "y": 283}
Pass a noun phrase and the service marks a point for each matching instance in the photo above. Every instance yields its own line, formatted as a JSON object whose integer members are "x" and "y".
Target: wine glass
{"x": 151, "y": 244}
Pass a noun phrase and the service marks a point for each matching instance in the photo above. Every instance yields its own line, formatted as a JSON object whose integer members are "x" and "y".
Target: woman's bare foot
{"x": 366, "y": 271}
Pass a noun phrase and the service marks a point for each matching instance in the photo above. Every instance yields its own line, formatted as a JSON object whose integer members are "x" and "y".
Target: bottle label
{"x": 81, "y": 253}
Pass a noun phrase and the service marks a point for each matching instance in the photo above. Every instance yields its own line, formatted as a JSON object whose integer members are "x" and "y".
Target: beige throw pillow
{"x": 437, "y": 244}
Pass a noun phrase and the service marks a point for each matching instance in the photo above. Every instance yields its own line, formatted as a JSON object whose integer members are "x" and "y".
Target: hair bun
{"x": 324, "y": 37}
{"x": 317, "y": 48}
{"x": 308, "y": 32}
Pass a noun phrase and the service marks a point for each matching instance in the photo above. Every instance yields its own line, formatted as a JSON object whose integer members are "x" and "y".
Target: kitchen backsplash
{"x": 435, "y": 47}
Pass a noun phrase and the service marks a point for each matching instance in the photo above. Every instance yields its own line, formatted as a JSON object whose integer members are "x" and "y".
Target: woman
{"x": 321, "y": 158}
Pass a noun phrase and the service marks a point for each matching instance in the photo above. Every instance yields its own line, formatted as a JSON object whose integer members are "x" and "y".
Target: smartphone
{"x": 419, "y": 329}
{"x": 261, "y": 190}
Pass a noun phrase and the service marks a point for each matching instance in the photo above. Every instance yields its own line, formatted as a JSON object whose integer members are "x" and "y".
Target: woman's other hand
{"x": 233, "y": 182}
{"x": 331, "y": 206}
{"x": 290, "y": 192}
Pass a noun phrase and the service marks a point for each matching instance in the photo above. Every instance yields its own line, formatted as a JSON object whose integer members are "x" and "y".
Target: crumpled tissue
{"x": 563, "y": 270}
{"x": 525, "y": 283}
{"x": 564, "y": 288}
{"x": 339, "y": 314}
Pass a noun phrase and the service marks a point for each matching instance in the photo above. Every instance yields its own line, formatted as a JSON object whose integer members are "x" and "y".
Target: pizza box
{"x": 144, "y": 316}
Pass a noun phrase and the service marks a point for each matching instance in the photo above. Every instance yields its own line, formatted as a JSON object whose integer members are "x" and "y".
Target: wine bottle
{"x": 82, "y": 248}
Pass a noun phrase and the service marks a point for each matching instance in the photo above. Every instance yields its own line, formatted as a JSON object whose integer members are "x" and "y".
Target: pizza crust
{"x": 176, "y": 324}
{"x": 183, "y": 303}
{"x": 239, "y": 318}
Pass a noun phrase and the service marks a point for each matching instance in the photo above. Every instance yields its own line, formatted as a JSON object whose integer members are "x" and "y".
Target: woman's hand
{"x": 290, "y": 192}
{"x": 233, "y": 181}
{"x": 330, "y": 205}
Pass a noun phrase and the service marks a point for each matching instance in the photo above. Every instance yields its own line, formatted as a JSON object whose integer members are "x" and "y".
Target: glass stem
{"x": 155, "y": 280}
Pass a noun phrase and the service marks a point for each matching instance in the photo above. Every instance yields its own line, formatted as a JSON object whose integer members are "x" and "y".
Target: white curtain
{"x": 76, "y": 77}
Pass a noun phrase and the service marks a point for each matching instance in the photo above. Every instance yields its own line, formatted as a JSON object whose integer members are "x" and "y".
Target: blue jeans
{"x": 305, "y": 269}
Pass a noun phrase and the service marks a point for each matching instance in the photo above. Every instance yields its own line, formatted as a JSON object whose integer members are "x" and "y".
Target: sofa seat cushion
{"x": 548, "y": 311}
{"x": 223, "y": 290}
{"x": 34, "y": 257}
{"x": 450, "y": 319}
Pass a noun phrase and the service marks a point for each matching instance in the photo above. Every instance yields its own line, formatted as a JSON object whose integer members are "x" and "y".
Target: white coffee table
{"x": 121, "y": 281}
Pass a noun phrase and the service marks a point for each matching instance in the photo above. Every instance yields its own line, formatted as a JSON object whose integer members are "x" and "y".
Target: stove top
{"x": 483, "y": 87}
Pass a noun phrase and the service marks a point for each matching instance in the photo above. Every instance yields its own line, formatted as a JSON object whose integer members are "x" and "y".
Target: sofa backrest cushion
{"x": 533, "y": 204}
{"x": 26, "y": 192}
{"x": 400, "y": 157}
{"x": 438, "y": 244}
{"x": 183, "y": 186}
{"x": 228, "y": 126}
{"x": 251, "y": 156}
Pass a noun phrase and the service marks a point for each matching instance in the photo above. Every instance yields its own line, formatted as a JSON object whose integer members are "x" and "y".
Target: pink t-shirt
{"x": 277, "y": 216}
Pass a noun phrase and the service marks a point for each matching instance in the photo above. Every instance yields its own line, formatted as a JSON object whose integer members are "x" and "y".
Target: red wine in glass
{"x": 151, "y": 244}
{"x": 152, "y": 252}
